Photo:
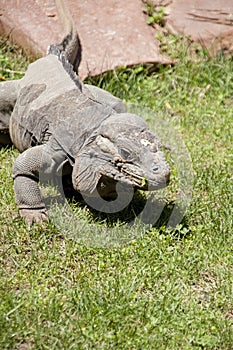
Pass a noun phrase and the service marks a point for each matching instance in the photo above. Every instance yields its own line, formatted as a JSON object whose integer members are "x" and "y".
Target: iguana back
{"x": 53, "y": 102}
{"x": 70, "y": 47}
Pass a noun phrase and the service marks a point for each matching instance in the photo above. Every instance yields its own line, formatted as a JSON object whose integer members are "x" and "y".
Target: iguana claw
{"x": 32, "y": 216}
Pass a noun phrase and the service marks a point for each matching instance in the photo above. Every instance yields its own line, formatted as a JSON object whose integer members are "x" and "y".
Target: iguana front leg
{"x": 26, "y": 173}
{"x": 29, "y": 167}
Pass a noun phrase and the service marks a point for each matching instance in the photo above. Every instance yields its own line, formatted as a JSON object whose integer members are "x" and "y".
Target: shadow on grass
{"x": 153, "y": 212}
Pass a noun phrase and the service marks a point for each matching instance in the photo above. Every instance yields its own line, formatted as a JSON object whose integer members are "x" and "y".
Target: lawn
{"x": 153, "y": 287}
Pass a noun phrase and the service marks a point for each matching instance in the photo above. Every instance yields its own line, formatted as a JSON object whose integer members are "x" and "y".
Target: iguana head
{"x": 123, "y": 150}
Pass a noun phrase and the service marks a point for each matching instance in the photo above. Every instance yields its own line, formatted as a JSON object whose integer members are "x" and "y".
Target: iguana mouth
{"x": 147, "y": 181}
{"x": 137, "y": 179}
{"x": 128, "y": 178}
{"x": 151, "y": 177}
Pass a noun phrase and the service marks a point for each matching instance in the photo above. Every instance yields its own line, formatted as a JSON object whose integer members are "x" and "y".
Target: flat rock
{"x": 113, "y": 33}
{"x": 209, "y": 22}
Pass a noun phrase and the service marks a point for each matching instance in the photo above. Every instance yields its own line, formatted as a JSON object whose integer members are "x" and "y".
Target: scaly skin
{"x": 58, "y": 123}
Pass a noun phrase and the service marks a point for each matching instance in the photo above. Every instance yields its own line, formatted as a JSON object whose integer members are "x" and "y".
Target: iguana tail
{"x": 70, "y": 44}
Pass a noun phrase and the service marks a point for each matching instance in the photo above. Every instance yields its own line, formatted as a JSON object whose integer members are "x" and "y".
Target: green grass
{"x": 163, "y": 290}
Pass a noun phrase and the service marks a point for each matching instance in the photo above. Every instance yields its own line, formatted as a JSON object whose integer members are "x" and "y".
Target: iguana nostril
{"x": 156, "y": 168}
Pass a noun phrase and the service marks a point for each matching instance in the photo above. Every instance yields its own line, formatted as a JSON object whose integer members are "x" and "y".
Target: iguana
{"x": 58, "y": 123}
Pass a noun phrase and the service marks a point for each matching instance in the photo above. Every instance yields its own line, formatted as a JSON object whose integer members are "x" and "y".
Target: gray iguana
{"x": 58, "y": 123}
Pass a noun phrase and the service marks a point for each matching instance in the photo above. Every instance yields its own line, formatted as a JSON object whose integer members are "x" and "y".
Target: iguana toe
{"x": 32, "y": 216}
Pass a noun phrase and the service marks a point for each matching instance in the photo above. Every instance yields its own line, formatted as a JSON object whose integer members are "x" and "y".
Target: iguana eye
{"x": 125, "y": 154}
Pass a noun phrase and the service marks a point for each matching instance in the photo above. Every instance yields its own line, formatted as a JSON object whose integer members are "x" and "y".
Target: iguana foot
{"x": 32, "y": 216}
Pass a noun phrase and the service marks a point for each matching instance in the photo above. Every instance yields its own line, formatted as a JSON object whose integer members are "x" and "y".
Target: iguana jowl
{"x": 55, "y": 120}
